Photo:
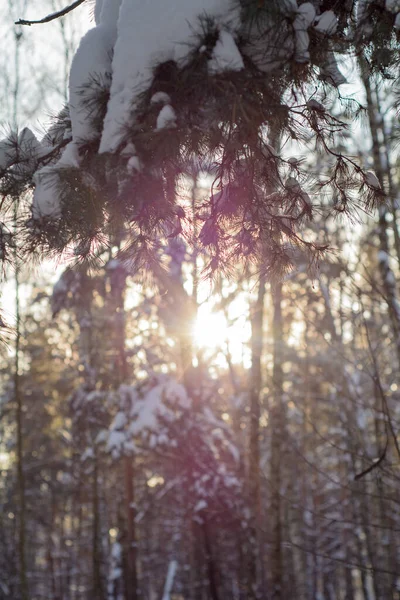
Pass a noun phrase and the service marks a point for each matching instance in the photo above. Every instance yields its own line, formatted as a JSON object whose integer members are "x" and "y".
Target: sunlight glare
{"x": 210, "y": 329}
{"x": 213, "y": 331}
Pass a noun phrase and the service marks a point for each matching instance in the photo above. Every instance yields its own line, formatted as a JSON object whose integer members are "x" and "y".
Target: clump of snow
{"x": 21, "y": 152}
{"x": 132, "y": 36}
{"x": 92, "y": 62}
{"x": 70, "y": 156}
{"x": 146, "y": 417}
{"x": 46, "y": 202}
{"x": 160, "y": 98}
{"x": 102, "y": 437}
{"x": 97, "y": 11}
{"x": 156, "y": 404}
{"x": 28, "y": 144}
{"x": 201, "y": 505}
{"x": 305, "y": 16}
{"x": 116, "y": 443}
{"x": 109, "y": 13}
{"x": 163, "y": 31}
{"x": 326, "y": 23}
{"x": 119, "y": 421}
{"x": 330, "y": 72}
{"x": 133, "y": 164}
{"x": 226, "y": 55}
{"x": 166, "y": 118}
{"x": 87, "y": 454}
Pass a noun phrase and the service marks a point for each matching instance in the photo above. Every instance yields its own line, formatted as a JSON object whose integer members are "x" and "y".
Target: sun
{"x": 210, "y": 329}
{"x": 225, "y": 334}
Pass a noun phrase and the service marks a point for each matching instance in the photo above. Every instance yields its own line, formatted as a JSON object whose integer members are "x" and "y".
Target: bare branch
{"x": 52, "y": 16}
{"x": 374, "y": 465}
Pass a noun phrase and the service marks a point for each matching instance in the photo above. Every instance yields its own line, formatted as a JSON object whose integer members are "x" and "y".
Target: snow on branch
{"x": 156, "y": 86}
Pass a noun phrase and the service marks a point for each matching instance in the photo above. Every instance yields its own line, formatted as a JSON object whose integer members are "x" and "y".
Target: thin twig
{"x": 52, "y": 16}
{"x": 373, "y": 465}
{"x": 378, "y": 383}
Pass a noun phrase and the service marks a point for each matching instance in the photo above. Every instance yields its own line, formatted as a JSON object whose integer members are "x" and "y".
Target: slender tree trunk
{"x": 387, "y": 275}
{"x": 17, "y": 392}
{"x": 210, "y": 561}
{"x": 131, "y": 559}
{"x": 277, "y": 433}
{"x": 98, "y": 591}
{"x": 257, "y": 320}
{"x": 356, "y": 508}
{"x": 392, "y": 188}
{"x": 117, "y": 308}
{"x": 196, "y": 572}
{"x": 19, "y": 422}
{"x": 50, "y": 560}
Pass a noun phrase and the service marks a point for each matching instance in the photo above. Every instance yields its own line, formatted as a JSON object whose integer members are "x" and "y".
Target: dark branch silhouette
{"x": 374, "y": 465}
{"x": 52, "y": 16}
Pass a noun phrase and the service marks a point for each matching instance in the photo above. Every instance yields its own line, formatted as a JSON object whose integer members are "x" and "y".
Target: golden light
{"x": 210, "y": 329}
{"x": 4, "y": 460}
{"x": 155, "y": 480}
{"x": 214, "y": 331}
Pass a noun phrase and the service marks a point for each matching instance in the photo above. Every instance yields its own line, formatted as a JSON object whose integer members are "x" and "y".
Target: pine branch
{"x": 52, "y": 16}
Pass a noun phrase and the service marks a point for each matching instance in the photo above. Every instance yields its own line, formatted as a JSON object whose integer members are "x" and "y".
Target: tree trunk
{"x": 131, "y": 552}
{"x": 277, "y": 432}
{"x": 387, "y": 275}
{"x": 392, "y": 188}
{"x": 257, "y": 319}
{"x": 210, "y": 561}
{"x": 196, "y": 567}
{"x": 98, "y": 591}
{"x": 117, "y": 308}
{"x": 20, "y": 450}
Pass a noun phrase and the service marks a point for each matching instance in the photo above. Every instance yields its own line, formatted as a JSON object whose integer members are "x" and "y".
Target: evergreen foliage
{"x": 233, "y": 123}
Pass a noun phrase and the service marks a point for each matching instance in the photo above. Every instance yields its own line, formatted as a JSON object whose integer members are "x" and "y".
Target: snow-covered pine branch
{"x": 230, "y": 77}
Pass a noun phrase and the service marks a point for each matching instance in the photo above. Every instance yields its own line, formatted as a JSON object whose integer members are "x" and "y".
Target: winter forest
{"x": 199, "y": 300}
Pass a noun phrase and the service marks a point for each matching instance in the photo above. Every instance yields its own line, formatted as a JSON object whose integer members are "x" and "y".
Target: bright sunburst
{"x": 210, "y": 329}
{"x": 214, "y": 331}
